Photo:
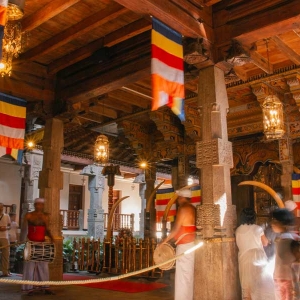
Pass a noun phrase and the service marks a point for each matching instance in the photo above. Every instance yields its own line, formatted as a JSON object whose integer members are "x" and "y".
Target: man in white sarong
{"x": 35, "y": 227}
{"x": 184, "y": 233}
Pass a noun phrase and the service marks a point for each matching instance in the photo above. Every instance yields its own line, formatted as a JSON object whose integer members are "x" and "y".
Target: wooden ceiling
{"x": 88, "y": 61}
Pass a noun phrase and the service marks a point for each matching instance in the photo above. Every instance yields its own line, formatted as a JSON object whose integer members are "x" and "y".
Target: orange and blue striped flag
{"x": 296, "y": 191}
{"x": 3, "y": 11}
{"x": 12, "y": 126}
{"x": 167, "y": 68}
{"x": 163, "y": 196}
{"x": 196, "y": 195}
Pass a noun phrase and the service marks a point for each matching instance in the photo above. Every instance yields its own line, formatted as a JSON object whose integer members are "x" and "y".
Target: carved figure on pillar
{"x": 96, "y": 183}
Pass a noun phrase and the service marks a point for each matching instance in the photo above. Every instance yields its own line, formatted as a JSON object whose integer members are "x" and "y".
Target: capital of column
{"x": 214, "y": 152}
{"x": 96, "y": 179}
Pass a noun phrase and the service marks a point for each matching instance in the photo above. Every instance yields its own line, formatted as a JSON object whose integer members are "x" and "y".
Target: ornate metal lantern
{"x": 273, "y": 117}
{"x": 101, "y": 150}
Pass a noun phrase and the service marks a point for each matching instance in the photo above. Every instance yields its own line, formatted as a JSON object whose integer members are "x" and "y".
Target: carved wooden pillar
{"x": 216, "y": 272}
{"x": 50, "y": 184}
{"x": 150, "y": 217}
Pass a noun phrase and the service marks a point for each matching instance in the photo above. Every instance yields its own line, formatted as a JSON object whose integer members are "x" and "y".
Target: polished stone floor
{"x": 73, "y": 292}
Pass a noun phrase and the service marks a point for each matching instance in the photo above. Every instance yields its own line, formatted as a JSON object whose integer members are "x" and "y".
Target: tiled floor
{"x": 73, "y": 292}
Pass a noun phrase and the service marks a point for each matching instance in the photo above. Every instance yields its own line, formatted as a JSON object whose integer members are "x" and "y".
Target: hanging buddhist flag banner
{"x": 196, "y": 195}
{"x": 3, "y": 11}
{"x": 12, "y": 126}
{"x": 167, "y": 68}
{"x": 296, "y": 191}
{"x": 163, "y": 196}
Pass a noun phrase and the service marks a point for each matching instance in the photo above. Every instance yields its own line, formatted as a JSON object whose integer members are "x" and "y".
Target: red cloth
{"x": 36, "y": 233}
{"x": 189, "y": 237}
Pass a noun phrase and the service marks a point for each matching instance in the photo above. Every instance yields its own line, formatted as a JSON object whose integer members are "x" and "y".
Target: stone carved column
{"x": 216, "y": 273}
{"x": 34, "y": 163}
{"x": 96, "y": 185}
{"x": 50, "y": 184}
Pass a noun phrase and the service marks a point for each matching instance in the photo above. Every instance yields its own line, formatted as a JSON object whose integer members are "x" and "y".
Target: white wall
{"x": 74, "y": 178}
{"x": 131, "y": 205}
{"x": 10, "y": 184}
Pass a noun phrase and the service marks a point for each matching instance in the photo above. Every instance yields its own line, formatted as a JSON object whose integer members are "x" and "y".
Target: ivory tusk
{"x": 152, "y": 196}
{"x": 267, "y": 189}
{"x": 111, "y": 215}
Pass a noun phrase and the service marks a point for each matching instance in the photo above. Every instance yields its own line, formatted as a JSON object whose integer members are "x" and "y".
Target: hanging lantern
{"x": 101, "y": 151}
{"x": 273, "y": 117}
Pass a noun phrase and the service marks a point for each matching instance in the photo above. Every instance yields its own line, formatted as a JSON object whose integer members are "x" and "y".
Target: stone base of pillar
{"x": 96, "y": 223}
{"x": 56, "y": 267}
{"x": 216, "y": 270}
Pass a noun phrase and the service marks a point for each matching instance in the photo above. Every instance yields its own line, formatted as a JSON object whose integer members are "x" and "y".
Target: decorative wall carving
{"x": 248, "y": 152}
{"x": 214, "y": 152}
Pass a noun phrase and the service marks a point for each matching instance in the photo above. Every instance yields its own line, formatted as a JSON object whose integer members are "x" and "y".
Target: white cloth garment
{"x": 255, "y": 276}
{"x": 184, "y": 275}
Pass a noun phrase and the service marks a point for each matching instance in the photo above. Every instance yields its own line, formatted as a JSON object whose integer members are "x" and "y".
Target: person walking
{"x": 4, "y": 240}
{"x": 256, "y": 282}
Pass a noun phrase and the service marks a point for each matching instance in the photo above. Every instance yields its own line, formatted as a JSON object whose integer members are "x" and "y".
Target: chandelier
{"x": 273, "y": 118}
{"x": 11, "y": 47}
{"x": 101, "y": 150}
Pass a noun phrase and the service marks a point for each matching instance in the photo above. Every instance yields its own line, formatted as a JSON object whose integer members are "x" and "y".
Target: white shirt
{"x": 13, "y": 232}
{"x": 249, "y": 237}
{"x": 4, "y": 221}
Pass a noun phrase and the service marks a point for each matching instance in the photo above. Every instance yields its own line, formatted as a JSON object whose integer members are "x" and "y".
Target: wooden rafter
{"x": 99, "y": 18}
{"x": 109, "y": 40}
{"x": 104, "y": 111}
{"x": 129, "y": 98}
{"x": 172, "y": 15}
{"x": 261, "y": 62}
{"x": 117, "y": 105}
{"x": 286, "y": 50}
{"x": 47, "y": 12}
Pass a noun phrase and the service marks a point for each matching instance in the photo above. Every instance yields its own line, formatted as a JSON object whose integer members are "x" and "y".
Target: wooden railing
{"x": 117, "y": 256}
{"x": 72, "y": 219}
{"x": 120, "y": 221}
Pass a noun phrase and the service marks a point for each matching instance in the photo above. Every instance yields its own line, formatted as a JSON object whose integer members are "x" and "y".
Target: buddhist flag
{"x": 196, "y": 195}
{"x": 296, "y": 191}
{"x": 3, "y": 8}
{"x": 12, "y": 126}
{"x": 163, "y": 196}
{"x": 167, "y": 68}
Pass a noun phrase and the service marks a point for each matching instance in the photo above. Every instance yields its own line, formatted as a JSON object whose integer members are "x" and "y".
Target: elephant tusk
{"x": 152, "y": 196}
{"x": 267, "y": 189}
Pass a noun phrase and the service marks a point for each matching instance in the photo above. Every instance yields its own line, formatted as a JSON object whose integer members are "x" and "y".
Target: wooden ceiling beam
{"x": 116, "y": 56}
{"x": 286, "y": 50}
{"x": 129, "y": 98}
{"x": 92, "y": 117}
{"x": 263, "y": 24}
{"x": 172, "y": 15}
{"x": 99, "y": 18}
{"x": 113, "y": 79}
{"x": 109, "y": 40}
{"x": 47, "y": 12}
{"x": 26, "y": 91}
{"x": 261, "y": 62}
{"x": 118, "y": 105}
{"x": 103, "y": 111}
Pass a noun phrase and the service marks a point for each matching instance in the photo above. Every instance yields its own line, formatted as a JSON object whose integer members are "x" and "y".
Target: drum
{"x": 39, "y": 251}
{"x": 163, "y": 253}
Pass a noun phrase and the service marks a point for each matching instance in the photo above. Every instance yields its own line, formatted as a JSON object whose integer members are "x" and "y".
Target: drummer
{"x": 35, "y": 227}
{"x": 183, "y": 233}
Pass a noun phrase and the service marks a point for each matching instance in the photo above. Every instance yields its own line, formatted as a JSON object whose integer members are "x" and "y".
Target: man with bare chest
{"x": 183, "y": 232}
{"x": 35, "y": 228}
